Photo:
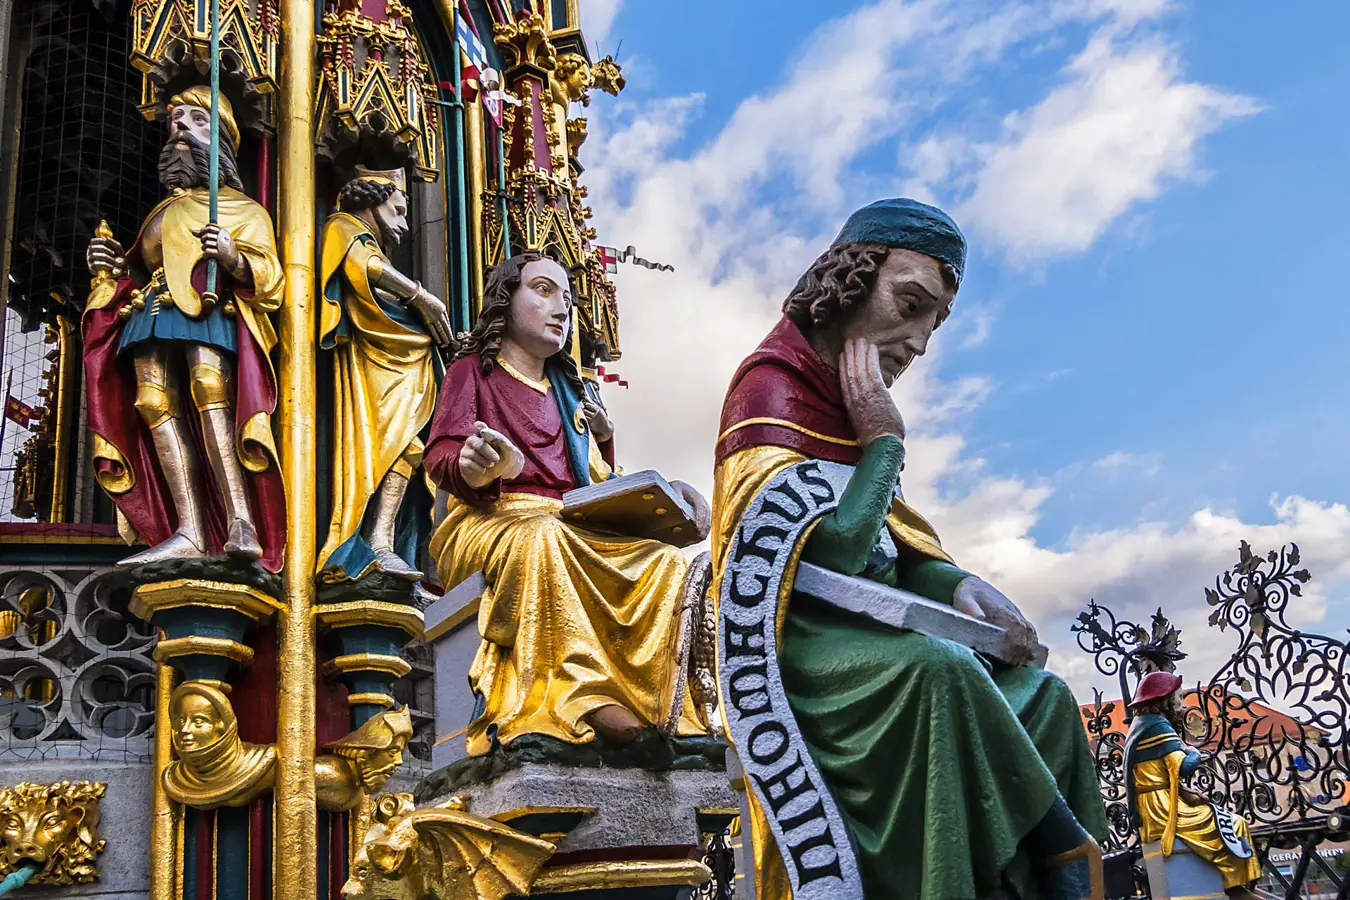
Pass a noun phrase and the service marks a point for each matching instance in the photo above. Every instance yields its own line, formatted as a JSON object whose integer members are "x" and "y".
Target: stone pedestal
{"x": 1181, "y": 875}
{"x": 620, "y": 833}
{"x": 606, "y": 809}
{"x": 452, "y": 633}
{"x": 365, "y": 637}
{"x": 204, "y": 622}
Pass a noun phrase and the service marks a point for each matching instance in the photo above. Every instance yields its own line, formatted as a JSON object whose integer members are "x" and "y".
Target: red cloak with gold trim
{"x": 124, "y": 454}
{"x": 784, "y": 395}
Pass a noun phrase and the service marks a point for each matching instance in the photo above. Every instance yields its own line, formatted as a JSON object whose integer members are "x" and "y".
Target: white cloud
{"x": 1121, "y": 461}
{"x": 741, "y": 215}
{"x": 597, "y": 20}
{"x": 1119, "y": 128}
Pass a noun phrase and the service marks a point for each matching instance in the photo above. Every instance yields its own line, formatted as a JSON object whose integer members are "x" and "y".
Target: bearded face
{"x": 185, "y": 160}
{"x": 392, "y": 218}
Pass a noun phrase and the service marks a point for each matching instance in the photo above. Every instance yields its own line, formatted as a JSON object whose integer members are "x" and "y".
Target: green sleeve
{"x": 928, "y": 577}
{"x": 844, "y": 539}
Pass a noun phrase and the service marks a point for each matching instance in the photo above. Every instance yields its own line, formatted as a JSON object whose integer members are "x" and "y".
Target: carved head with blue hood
{"x": 890, "y": 277}
{"x": 527, "y": 304}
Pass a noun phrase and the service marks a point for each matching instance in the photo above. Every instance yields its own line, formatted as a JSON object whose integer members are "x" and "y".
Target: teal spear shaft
{"x": 213, "y": 188}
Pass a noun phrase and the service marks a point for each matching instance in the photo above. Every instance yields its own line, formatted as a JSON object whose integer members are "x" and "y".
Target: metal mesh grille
{"x": 84, "y": 153}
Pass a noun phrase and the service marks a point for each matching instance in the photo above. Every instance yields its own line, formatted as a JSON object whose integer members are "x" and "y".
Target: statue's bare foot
{"x": 178, "y": 546}
{"x": 616, "y": 724}
{"x": 243, "y": 542}
{"x": 393, "y": 564}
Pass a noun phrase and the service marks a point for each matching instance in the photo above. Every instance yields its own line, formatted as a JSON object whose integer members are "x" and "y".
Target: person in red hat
{"x": 1162, "y": 809}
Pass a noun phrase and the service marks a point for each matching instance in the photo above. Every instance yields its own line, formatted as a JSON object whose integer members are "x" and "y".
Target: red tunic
{"x": 526, "y": 415}
{"x": 785, "y": 395}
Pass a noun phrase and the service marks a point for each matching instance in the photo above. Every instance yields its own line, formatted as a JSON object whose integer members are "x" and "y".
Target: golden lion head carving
{"x": 53, "y": 827}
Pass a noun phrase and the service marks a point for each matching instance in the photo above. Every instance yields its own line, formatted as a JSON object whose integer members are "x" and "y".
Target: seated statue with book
{"x": 579, "y": 622}
{"x": 884, "y": 761}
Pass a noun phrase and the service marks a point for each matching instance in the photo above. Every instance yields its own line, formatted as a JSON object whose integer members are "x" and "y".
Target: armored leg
{"x": 211, "y": 376}
{"x": 380, "y": 531}
{"x": 158, "y": 404}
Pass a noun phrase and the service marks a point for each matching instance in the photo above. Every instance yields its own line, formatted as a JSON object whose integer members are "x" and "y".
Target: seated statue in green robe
{"x": 880, "y": 763}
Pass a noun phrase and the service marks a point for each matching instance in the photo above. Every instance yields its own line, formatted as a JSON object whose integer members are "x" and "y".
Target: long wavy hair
{"x": 839, "y": 283}
{"x": 486, "y": 338}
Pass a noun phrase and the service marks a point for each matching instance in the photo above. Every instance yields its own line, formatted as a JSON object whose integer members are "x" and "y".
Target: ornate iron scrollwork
{"x": 1271, "y": 722}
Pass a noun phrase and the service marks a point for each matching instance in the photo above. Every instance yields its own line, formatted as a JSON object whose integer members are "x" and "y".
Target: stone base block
{"x": 1181, "y": 875}
{"x": 604, "y": 809}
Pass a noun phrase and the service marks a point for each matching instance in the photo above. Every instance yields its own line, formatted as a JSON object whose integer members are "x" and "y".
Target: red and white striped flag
{"x": 612, "y": 256}
{"x": 466, "y": 33}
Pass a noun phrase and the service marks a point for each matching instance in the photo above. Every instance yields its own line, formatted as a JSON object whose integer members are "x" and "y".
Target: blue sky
{"x": 1145, "y": 363}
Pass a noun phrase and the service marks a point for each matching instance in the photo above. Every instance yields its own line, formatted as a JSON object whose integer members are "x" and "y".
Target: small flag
{"x": 18, "y": 412}
{"x": 610, "y": 377}
{"x": 466, "y": 33}
{"x": 612, "y": 256}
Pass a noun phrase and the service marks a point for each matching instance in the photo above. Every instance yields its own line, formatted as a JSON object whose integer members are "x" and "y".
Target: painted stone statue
{"x": 383, "y": 328}
{"x": 1163, "y": 809}
{"x": 159, "y": 349}
{"x": 215, "y": 767}
{"x": 578, "y": 627}
{"x": 953, "y": 777}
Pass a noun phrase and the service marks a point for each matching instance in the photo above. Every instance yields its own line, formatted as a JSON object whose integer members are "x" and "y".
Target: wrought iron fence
{"x": 1271, "y": 723}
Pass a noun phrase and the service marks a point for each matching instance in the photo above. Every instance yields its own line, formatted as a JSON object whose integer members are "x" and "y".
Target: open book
{"x": 640, "y": 505}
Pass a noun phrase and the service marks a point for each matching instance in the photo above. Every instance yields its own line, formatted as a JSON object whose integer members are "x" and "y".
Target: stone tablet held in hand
{"x": 905, "y": 611}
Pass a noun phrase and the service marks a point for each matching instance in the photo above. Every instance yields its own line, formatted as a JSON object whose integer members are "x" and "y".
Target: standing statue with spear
{"x": 176, "y": 345}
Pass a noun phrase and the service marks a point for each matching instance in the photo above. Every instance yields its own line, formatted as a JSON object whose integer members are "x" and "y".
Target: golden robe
{"x": 384, "y": 379}
{"x": 573, "y": 619}
{"x": 185, "y": 212}
{"x": 1165, "y": 815}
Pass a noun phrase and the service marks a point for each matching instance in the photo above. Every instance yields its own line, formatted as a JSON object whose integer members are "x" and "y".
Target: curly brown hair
{"x": 839, "y": 283}
{"x": 486, "y": 338}
{"x": 364, "y": 193}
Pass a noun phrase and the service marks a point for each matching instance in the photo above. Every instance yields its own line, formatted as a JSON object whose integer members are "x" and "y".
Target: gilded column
{"x": 476, "y": 153}
{"x": 296, "y": 845}
{"x": 164, "y": 861}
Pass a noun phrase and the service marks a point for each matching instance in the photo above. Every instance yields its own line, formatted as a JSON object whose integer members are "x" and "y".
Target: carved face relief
{"x": 196, "y": 120}
{"x": 541, "y": 309}
{"x": 909, "y": 301}
{"x": 380, "y": 765}
{"x": 52, "y": 826}
{"x": 197, "y": 724}
{"x": 392, "y": 218}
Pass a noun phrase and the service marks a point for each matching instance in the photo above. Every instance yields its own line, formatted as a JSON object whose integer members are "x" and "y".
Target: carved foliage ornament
{"x": 377, "y": 93}
{"x": 53, "y": 827}
{"x": 171, "y": 42}
{"x": 525, "y": 42}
